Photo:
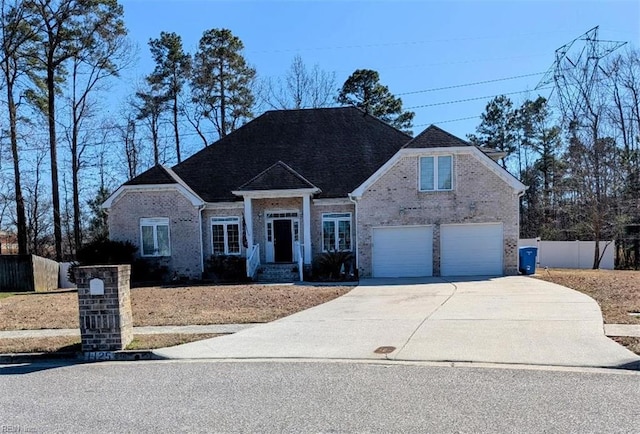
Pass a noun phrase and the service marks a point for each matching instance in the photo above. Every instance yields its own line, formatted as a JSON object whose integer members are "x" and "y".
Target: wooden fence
{"x": 24, "y": 273}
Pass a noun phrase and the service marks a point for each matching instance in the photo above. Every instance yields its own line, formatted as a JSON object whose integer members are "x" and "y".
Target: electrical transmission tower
{"x": 576, "y": 73}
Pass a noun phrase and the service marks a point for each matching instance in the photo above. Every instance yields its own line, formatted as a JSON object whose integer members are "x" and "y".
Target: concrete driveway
{"x": 515, "y": 319}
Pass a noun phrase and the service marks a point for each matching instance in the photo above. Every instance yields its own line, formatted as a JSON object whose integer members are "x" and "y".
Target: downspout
{"x": 200, "y": 209}
{"x": 355, "y": 202}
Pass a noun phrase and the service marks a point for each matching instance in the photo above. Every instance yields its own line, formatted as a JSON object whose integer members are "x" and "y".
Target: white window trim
{"x": 435, "y": 172}
{"x": 154, "y": 222}
{"x": 336, "y": 241}
{"x": 225, "y": 221}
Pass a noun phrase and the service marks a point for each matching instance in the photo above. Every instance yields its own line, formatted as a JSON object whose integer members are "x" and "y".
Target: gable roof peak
{"x": 435, "y": 137}
{"x": 278, "y": 176}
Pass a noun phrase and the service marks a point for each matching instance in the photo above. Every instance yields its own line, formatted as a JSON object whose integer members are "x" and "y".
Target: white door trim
{"x": 277, "y": 214}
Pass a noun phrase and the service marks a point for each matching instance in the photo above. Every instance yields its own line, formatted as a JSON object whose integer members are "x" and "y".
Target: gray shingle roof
{"x": 435, "y": 137}
{"x": 335, "y": 149}
{"x": 156, "y": 175}
{"x": 277, "y": 177}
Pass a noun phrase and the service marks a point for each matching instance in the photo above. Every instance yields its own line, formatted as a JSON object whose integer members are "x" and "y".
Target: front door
{"x": 282, "y": 241}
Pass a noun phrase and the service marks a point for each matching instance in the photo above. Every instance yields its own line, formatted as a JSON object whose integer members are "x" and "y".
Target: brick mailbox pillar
{"x": 106, "y": 322}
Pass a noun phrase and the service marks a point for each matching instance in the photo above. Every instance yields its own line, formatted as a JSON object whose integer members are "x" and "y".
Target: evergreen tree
{"x": 364, "y": 90}
{"x": 221, "y": 81}
{"x": 172, "y": 70}
{"x": 497, "y": 128}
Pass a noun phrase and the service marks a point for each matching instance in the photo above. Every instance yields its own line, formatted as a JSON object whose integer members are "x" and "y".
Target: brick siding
{"x": 479, "y": 196}
{"x": 124, "y": 225}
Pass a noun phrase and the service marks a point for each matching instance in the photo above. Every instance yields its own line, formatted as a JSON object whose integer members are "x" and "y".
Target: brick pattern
{"x": 479, "y": 196}
{"x": 207, "y": 232}
{"x": 261, "y": 207}
{"x": 316, "y": 223}
{"x": 106, "y": 321}
{"x": 124, "y": 225}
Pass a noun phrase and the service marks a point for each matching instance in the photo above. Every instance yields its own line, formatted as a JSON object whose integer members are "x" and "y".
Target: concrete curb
{"x": 71, "y": 357}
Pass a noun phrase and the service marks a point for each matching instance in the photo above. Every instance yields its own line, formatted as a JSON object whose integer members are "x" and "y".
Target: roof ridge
{"x": 432, "y": 128}
{"x": 450, "y": 135}
{"x": 377, "y": 119}
{"x": 296, "y": 173}
{"x": 286, "y": 167}
{"x": 180, "y": 181}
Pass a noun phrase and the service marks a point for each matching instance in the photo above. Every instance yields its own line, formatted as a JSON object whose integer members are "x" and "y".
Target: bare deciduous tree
{"x": 299, "y": 88}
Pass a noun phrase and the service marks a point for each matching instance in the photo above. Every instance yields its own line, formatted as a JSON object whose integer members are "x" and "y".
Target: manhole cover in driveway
{"x": 384, "y": 350}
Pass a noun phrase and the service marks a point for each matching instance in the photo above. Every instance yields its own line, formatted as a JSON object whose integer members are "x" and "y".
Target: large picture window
{"x": 225, "y": 235}
{"x": 336, "y": 231}
{"x": 436, "y": 173}
{"x": 155, "y": 236}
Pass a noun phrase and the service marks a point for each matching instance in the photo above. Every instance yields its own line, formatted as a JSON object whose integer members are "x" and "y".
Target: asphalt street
{"x": 210, "y": 396}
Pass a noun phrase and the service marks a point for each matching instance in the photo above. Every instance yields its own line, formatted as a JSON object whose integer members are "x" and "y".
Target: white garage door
{"x": 405, "y": 251}
{"x": 471, "y": 250}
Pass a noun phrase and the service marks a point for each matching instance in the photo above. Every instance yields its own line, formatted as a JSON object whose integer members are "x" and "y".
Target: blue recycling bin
{"x": 527, "y": 260}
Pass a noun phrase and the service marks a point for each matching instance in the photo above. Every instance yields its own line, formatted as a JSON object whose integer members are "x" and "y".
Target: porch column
{"x": 248, "y": 220}
{"x": 306, "y": 224}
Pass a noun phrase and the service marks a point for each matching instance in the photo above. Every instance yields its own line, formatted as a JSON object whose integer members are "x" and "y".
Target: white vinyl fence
{"x": 64, "y": 276}
{"x": 570, "y": 254}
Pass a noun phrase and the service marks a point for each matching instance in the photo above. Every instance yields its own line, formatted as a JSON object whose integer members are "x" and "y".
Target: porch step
{"x": 278, "y": 273}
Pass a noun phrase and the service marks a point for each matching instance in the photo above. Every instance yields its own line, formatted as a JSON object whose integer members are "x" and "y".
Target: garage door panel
{"x": 404, "y": 251}
{"x": 472, "y": 249}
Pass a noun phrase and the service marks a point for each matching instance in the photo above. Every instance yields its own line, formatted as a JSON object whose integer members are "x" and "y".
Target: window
{"x": 336, "y": 231}
{"x": 225, "y": 235}
{"x": 155, "y": 236}
{"x": 436, "y": 173}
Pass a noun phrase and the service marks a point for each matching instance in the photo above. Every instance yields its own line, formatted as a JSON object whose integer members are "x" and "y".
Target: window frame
{"x": 435, "y": 159}
{"x": 225, "y": 222}
{"x": 154, "y": 223}
{"x": 336, "y": 218}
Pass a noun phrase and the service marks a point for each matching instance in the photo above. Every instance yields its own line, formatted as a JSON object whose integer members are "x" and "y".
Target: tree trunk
{"x": 55, "y": 194}
{"x": 75, "y": 169}
{"x": 154, "y": 137}
{"x": 175, "y": 126}
{"x": 596, "y": 254}
{"x": 75, "y": 165}
{"x": 21, "y": 219}
{"x": 223, "y": 106}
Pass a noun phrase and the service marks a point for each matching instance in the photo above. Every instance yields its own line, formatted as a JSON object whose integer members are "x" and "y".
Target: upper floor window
{"x": 336, "y": 231}
{"x": 155, "y": 236}
{"x": 225, "y": 235}
{"x": 436, "y": 173}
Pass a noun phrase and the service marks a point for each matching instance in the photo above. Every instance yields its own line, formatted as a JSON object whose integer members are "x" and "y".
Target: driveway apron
{"x": 515, "y": 319}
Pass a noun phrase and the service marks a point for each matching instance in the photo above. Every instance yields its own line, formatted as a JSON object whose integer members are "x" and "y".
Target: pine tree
{"x": 221, "y": 81}
{"x": 364, "y": 90}
{"x": 172, "y": 70}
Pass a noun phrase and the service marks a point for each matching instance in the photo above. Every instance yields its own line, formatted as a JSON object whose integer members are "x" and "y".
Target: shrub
{"x": 149, "y": 271}
{"x": 227, "y": 268}
{"x": 333, "y": 265}
{"x": 103, "y": 251}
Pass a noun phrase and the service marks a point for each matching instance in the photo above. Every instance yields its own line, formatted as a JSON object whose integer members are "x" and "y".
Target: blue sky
{"x": 415, "y": 46}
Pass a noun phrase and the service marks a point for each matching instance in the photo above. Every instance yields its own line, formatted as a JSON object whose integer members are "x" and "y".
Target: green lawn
{"x": 6, "y": 294}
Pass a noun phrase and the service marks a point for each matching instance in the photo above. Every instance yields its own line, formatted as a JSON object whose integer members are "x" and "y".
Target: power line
{"x": 448, "y": 121}
{"x": 471, "y": 99}
{"x": 455, "y": 86}
{"x": 394, "y": 44}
